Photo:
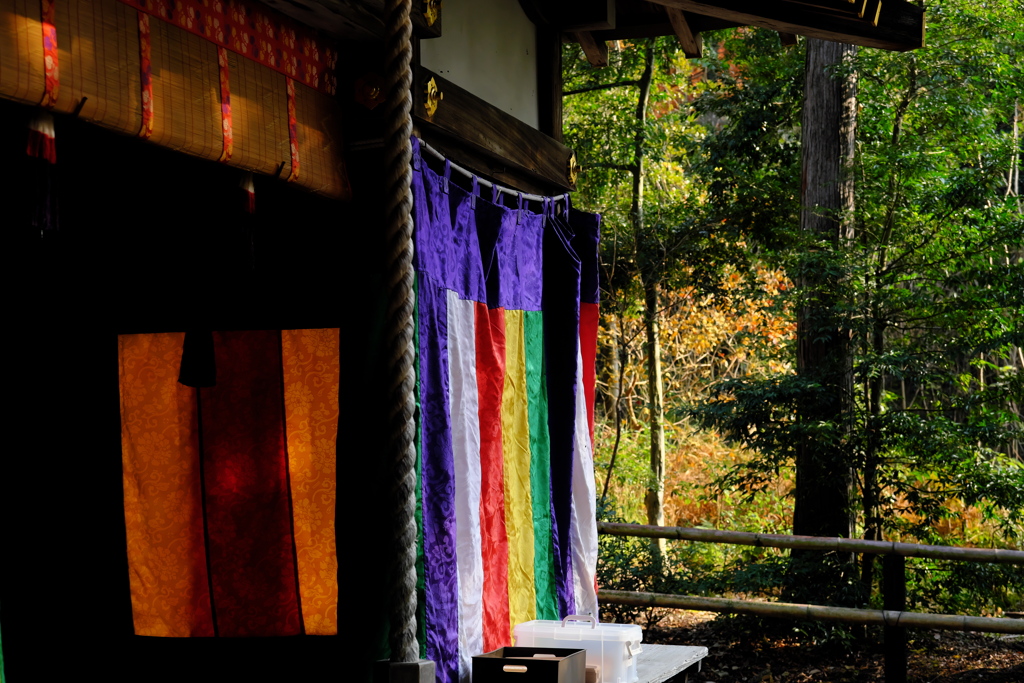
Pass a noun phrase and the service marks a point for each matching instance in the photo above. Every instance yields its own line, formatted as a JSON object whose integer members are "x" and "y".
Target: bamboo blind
{"x": 259, "y": 108}
{"x": 21, "y": 51}
{"x": 320, "y": 150}
{"x": 98, "y": 44}
{"x": 186, "y": 92}
{"x": 100, "y": 74}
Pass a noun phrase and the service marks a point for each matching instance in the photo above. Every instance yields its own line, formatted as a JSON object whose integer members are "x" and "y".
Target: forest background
{"x": 705, "y": 407}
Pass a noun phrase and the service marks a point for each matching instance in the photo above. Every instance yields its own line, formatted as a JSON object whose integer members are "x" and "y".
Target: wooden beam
{"x": 549, "y": 83}
{"x": 846, "y": 6}
{"x": 900, "y": 25}
{"x": 571, "y": 16}
{"x": 787, "y": 39}
{"x": 486, "y": 130}
{"x": 863, "y": 9}
{"x": 688, "y": 38}
{"x": 595, "y": 50}
{"x": 872, "y": 11}
{"x": 655, "y": 23}
{"x": 358, "y": 20}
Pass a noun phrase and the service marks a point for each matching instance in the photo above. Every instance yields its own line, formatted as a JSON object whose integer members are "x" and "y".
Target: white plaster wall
{"x": 488, "y": 47}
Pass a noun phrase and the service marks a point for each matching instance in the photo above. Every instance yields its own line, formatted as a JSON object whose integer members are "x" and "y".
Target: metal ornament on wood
{"x": 431, "y": 11}
{"x": 434, "y": 97}
{"x": 572, "y": 171}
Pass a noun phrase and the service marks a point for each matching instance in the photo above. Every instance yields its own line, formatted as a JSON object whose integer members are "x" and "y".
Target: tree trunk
{"x": 872, "y": 451}
{"x": 651, "y": 277}
{"x": 872, "y": 518}
{"x": 617, "y": 373}
{"x": 656, "y": 391}
{"x": 824, "y": 476}
{"x": 612, "y": 366}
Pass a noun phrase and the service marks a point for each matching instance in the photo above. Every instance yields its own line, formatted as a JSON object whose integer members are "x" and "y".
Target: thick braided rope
{"x": 401, "y": 356}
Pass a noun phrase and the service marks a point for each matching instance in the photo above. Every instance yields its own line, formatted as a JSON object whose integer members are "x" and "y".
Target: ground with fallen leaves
{"x": 736, "y": 654}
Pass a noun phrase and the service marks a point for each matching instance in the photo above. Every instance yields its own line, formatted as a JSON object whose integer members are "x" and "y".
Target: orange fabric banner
{"x": 162, "y": 479}
{"x": 312, "y": 372}
{"x": 162, "y": 489}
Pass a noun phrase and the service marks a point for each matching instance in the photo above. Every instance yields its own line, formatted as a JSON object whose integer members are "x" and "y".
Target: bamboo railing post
{"x": 894, "y": 599}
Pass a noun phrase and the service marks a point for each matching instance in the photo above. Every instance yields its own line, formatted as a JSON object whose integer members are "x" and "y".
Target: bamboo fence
{"x": 786, "y": 610}
{"x": 851, "y": 545}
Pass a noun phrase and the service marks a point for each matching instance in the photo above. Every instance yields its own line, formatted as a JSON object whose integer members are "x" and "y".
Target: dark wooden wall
{"x": 151, "y": 240}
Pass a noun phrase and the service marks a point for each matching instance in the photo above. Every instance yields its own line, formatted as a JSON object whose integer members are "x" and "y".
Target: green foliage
{"x": 931, "y": 289}
{"x": 930, "y": 292}
{"x": 955, "y": 587}
{"x": 628, "y": 564}
{"x": 748, "y": 157}
{"x": 632, "y": 473}
{"x": 706, "y": 569}
{"x": 675, "y": 244}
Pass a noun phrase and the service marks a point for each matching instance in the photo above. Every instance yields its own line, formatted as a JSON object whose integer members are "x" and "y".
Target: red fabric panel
{"x": 246, "y": 494}
{"x": 225, "y": 106}
{"x": 293, "y": 130}
{"x": 490, "y": 373}
{"x": 51, "y": 68}
{"x": 589, "y": 319}
{"x": 146, "y": 67}
{"x": 42, "y": 146}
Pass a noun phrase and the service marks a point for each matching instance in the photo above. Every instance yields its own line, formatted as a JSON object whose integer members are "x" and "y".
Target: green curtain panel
{"x": 2, "y": 679}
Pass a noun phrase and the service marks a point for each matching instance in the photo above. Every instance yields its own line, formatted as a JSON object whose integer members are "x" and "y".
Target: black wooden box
{"x": 521, "y": 665}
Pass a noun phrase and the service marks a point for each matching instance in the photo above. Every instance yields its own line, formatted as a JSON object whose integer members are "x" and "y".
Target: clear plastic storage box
{"x": 612, "y": 647}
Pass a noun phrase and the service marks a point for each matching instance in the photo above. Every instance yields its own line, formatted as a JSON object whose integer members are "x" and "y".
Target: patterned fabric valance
{"x": 255, "y": 32}
{"x": 160, "y": 79}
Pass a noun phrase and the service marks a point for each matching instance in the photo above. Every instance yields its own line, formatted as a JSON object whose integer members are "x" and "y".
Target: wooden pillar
{"x": 549, "y": 82}
{"x": 894, "y": 598}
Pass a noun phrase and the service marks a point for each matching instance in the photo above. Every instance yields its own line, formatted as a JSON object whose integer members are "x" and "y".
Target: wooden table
{"x": 668, "y": 663}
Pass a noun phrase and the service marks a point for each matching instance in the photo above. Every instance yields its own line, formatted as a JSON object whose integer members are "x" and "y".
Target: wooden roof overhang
{"x": 358, "y": 20}
{"x": 887, "y": 24}
{"x": 503, "y": 148}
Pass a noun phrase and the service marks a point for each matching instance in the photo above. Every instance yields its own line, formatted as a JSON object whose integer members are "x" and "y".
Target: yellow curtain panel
{"x": 230, "y": 490}
{"x": 140, "y": 74}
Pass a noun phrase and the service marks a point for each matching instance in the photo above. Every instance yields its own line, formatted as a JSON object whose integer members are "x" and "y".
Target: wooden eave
{"x": 507, "y": 148}
{"x": 889, "y": 25}
{"x": 353, "y": 20}
{"x": 886, "y": 24}
{"x": 894, "y": 25}
{"x": 646, "y": 26}
{"x": 498, "y": 145}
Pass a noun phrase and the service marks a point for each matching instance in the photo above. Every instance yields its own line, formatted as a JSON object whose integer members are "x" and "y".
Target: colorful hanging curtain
{"x": 506, "y": 349}
{"x": 230, "y": 487}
